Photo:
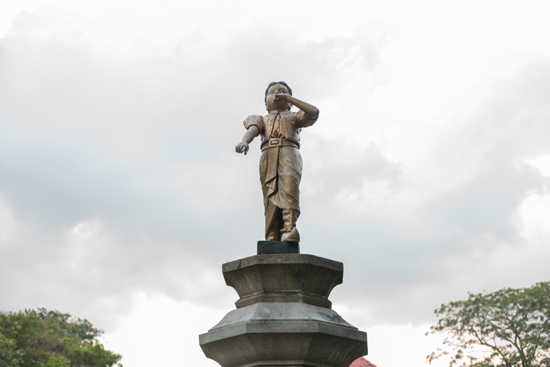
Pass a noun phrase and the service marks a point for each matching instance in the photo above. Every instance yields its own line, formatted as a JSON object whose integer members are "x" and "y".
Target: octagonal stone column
{"x": 283, "y": 316}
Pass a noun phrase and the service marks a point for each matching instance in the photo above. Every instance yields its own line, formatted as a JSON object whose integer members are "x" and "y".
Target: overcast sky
{"x": 121, "y": 195}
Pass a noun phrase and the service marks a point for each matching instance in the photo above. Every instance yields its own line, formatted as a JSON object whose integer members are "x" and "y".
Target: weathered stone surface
{"x": 276, "y": 311}
{"x": 283, "y": 334}
{"x": 283, "y": 317}
{"x": 278, "y": 247}
{"x": 283, "y": 278}
{"x": 283, "y": 297}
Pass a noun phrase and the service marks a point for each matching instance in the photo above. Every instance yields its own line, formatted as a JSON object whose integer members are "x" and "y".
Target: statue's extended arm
{"x": 308, "y": 113}
{"x": 248, "y": 136}
{"x": 310, "y": 110}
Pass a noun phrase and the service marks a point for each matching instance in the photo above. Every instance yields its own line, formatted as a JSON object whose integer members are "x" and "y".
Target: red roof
{"x": 361, "y": 362}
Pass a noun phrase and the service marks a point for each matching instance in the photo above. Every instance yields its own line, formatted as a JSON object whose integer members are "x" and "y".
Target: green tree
{"x": 42, "y": 338}
{"x": 8, "y": 354}
{"x": 507, "y": 328}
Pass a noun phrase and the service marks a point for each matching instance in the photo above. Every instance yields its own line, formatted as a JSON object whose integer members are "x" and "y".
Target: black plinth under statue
{"x": 278, "y": 247}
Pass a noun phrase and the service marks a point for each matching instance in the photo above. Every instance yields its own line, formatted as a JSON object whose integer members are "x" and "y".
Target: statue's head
{"x": 272, "y": 90}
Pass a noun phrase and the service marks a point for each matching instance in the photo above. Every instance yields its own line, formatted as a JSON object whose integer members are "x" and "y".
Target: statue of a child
{"x": 281, "y": 161}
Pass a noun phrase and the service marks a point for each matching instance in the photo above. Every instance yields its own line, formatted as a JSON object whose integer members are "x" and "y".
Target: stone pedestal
{"x": 283, "y": 316}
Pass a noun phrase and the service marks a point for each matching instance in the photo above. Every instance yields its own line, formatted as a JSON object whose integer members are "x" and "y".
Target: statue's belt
{"x": 279, "y": 142}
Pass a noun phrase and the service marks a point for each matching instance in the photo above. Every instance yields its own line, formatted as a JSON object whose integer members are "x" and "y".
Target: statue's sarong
{"x": 280, "y": 175}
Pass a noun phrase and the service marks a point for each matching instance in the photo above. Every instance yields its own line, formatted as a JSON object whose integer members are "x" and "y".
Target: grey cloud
{"x": 487, "y": 204}
{"x": 187, "y": 202}
{"x": 396, "y": 271}
{"x": 72, "y": 91}
{"x": 350, "y": 169}
{"x": 102, "y": 271}
{"x": 63, "y": 159}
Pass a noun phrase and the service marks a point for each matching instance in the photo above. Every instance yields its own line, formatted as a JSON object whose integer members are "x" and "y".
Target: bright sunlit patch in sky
{"x": 167, "y": 327}
{"x": 541, "y": 163}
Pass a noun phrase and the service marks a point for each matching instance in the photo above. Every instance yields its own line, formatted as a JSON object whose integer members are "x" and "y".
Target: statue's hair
{"x": 273, "y": 83}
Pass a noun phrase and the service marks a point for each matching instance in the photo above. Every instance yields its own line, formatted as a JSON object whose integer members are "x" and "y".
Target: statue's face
{"x": 272, "y": 102}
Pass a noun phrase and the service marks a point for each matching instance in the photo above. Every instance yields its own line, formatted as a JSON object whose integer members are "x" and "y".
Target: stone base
{"x": 278, "y": 247}
{"x": 283, "y": 334}
{"x": 283, "y": 316}
{"x": 283, "y": 278}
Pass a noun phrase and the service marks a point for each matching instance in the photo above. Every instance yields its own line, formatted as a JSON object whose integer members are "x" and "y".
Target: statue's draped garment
{"x": 281, "y": 161}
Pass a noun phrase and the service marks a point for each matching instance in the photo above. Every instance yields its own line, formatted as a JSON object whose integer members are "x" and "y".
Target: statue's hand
{"x": 242, "y": 148}
{"x": 281, "y": 97}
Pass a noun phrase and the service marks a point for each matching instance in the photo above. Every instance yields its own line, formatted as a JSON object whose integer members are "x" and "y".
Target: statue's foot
{"x": 292, "y": 236}
{"x": 273, "y": 237}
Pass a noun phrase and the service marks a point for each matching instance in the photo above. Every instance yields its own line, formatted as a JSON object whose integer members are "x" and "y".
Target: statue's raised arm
{"x": 281, "y": 161}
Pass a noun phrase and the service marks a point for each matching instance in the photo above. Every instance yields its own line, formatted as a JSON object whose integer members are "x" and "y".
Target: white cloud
{"x": 426, "y": 173}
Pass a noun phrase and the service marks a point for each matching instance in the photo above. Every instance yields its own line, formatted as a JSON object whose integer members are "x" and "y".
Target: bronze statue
{"x": 281, "y": 161}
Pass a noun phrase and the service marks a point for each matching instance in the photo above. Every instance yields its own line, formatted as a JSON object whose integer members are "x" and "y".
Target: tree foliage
{"x": 507, "y": 328}
{"x": 45, "y": 338}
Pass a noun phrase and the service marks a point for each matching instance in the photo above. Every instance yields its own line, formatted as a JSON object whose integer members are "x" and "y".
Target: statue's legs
{"x": 280, "y": 175}
{"x": 289, "y": 231}
{"x": 273, "y": 222}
